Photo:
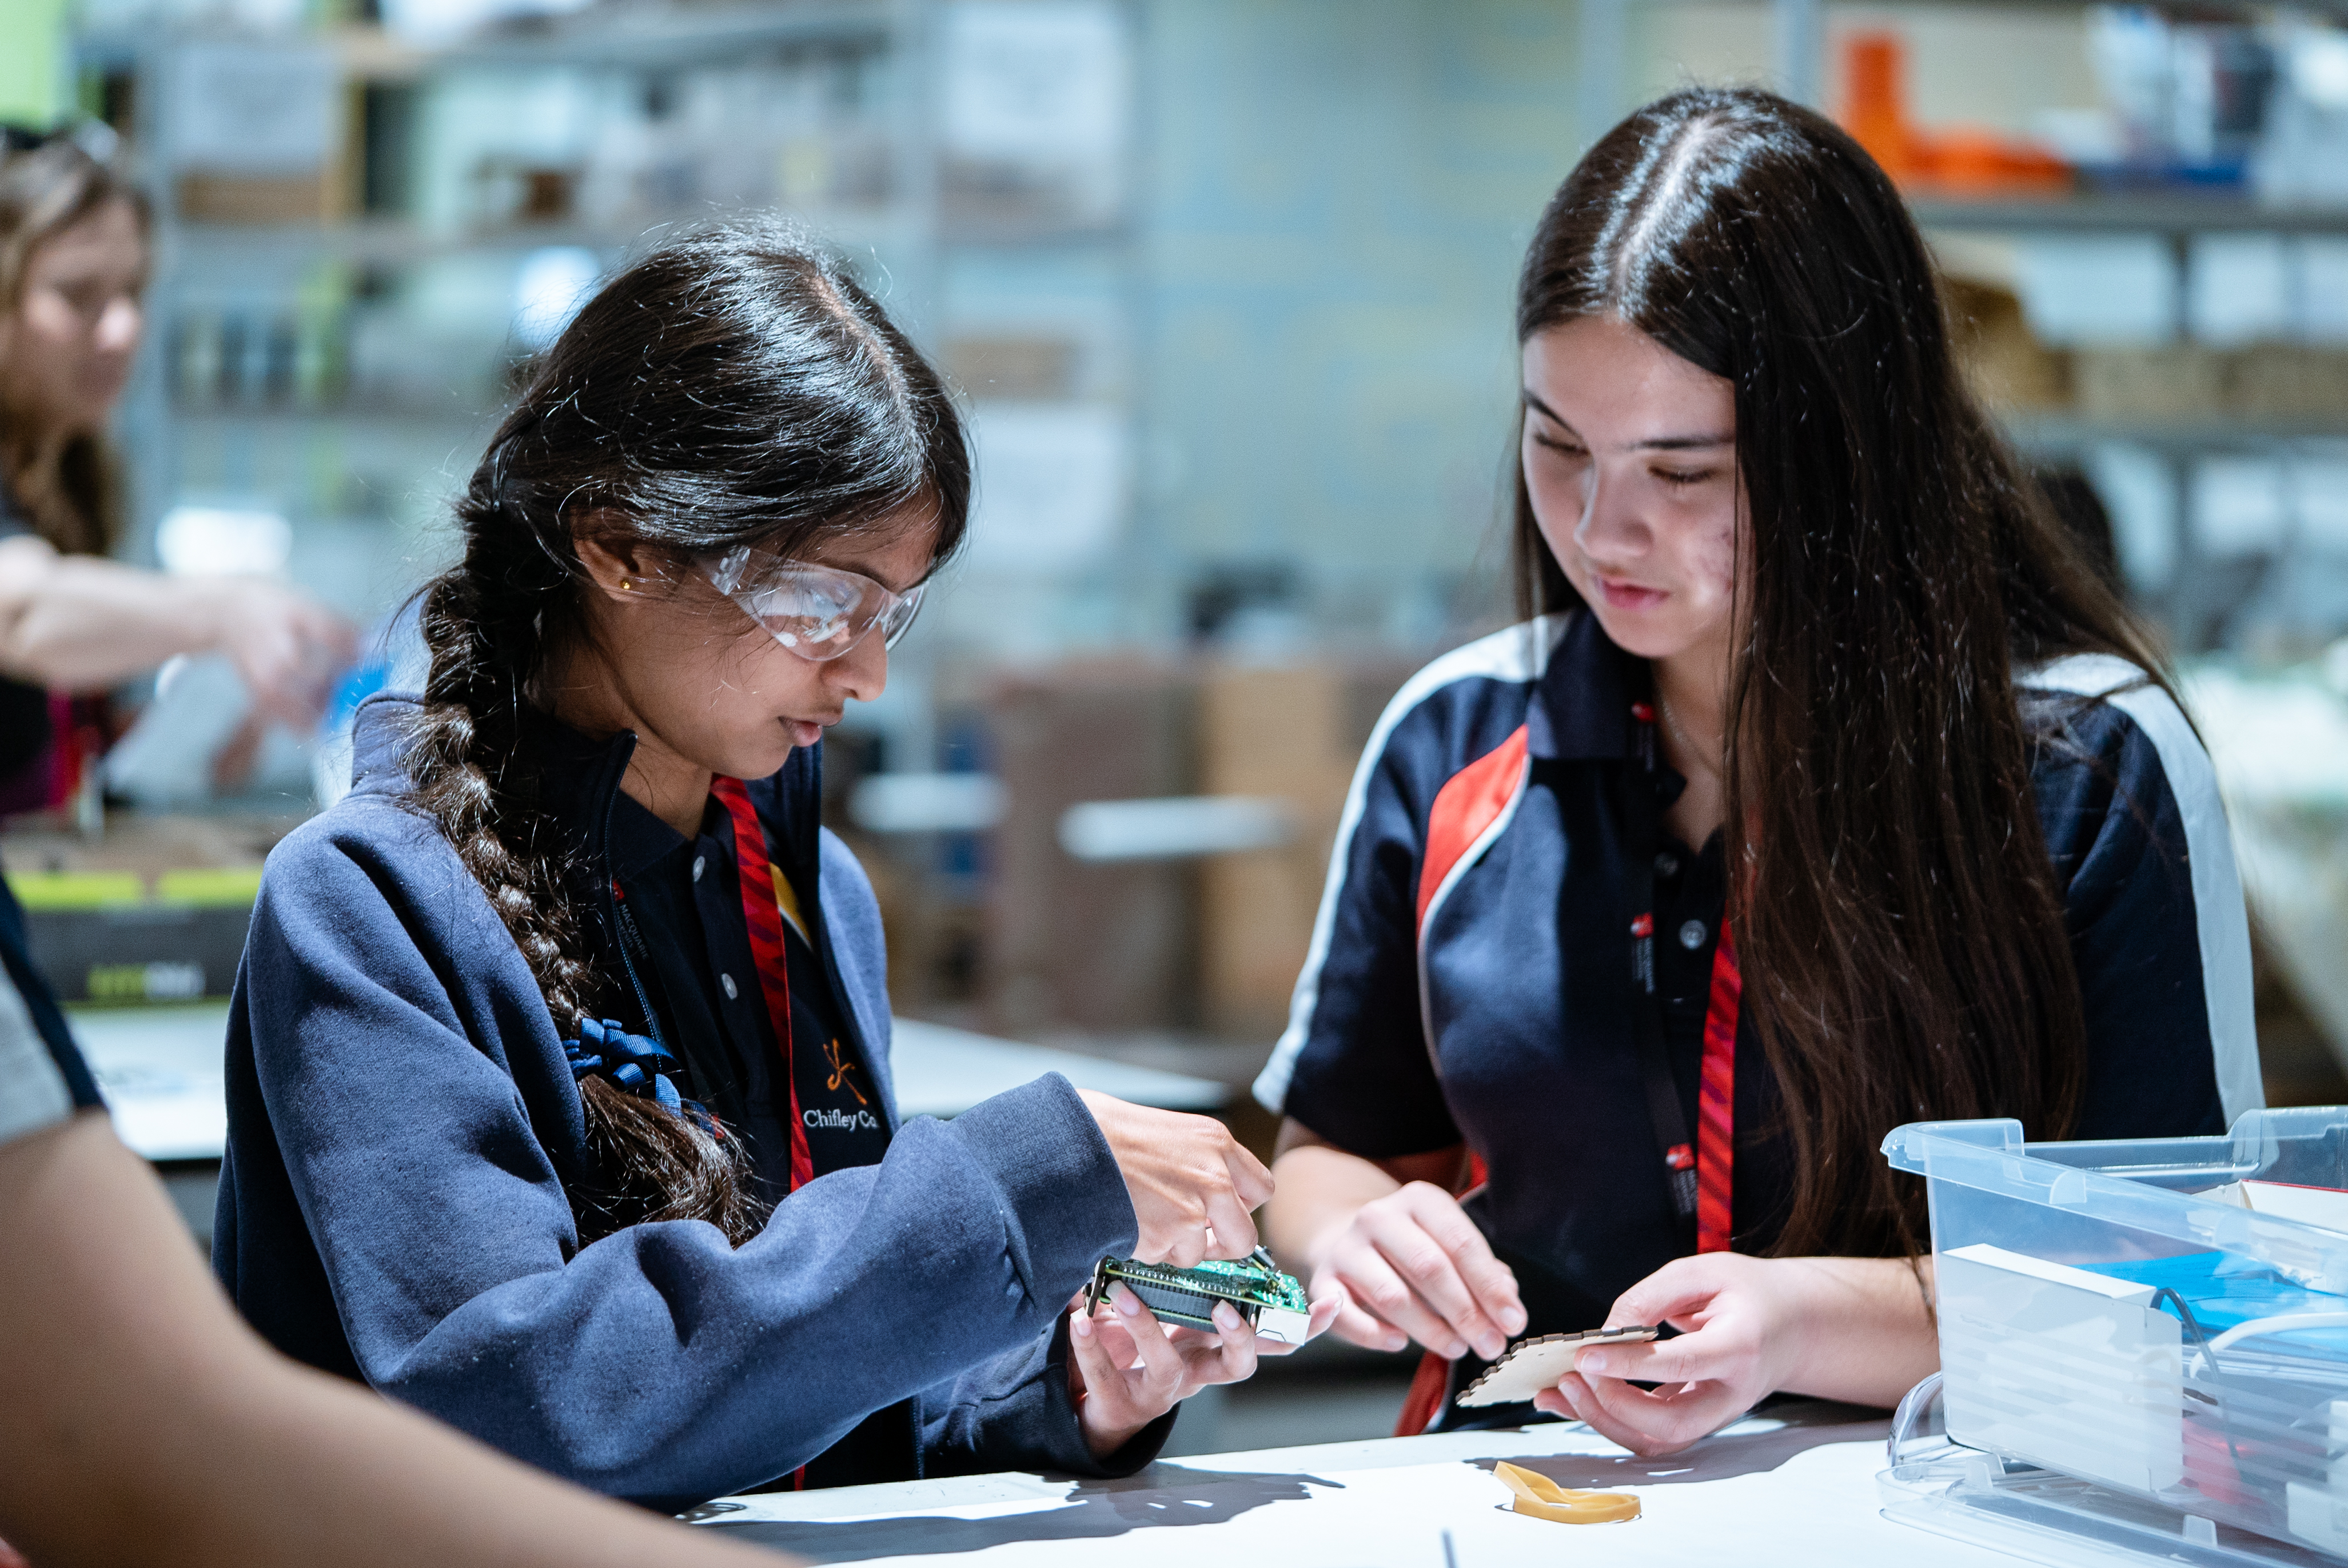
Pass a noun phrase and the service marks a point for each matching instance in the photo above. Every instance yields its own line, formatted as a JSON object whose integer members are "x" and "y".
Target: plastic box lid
{"x": 2150, "y": 1186}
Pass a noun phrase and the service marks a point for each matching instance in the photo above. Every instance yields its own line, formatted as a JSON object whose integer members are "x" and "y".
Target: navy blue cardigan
{"x": 402, "y": 1121}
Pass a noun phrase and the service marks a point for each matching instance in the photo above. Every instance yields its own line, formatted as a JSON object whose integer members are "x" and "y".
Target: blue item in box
{"x": 2226, "y": 1292}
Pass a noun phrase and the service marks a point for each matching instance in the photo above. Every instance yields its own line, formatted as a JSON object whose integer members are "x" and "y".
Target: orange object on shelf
{"x": 1969, "y": 161}
{"x": 1875, "y": 99}
{"x": 1964, "y": 161}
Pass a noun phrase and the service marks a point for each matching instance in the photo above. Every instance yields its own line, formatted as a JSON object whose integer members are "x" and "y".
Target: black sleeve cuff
{"x": 1017, "y": 1414}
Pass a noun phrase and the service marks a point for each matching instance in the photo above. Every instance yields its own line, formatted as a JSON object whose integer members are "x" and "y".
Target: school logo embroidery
{"x": 840, "y": 1068}
{"x": 840, "y": 1121}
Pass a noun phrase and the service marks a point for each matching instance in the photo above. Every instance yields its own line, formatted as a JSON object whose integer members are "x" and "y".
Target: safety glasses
{"x": 817, "y": 612}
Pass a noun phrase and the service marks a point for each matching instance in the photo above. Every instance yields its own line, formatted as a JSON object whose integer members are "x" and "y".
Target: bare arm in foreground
{"x": 1855, "y": 1329}
{"x": 145, "y": 1424}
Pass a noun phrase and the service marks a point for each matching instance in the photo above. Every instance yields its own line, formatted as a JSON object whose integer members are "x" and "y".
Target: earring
{"x": 627, "y": 584}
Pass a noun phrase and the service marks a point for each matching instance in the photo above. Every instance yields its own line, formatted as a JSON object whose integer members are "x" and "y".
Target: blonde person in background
{"x": 73, "y": 263}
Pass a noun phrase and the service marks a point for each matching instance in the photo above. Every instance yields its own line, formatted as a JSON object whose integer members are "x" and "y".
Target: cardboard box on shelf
{"x": 1293, "y": 735}
{"x": 262, "y": 199}
{"x": 2007, "y": 365}
{"x": 2291, "y": 381}
{"x": 1035, "y": 368}
{"x": 1208, "y": 945}
{"x": 2266, "y": 381}
{"x": 257, "y": 130}
{"x": 1103, "y": 947}
{"x": 2168, "y": 381}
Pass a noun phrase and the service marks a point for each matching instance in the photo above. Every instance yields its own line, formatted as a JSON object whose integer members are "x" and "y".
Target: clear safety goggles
{"x": 817, "y": 612}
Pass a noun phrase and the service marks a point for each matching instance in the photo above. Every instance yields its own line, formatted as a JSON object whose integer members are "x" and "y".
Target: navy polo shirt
{"x": 685, "y": 898}
{"x": 1469, "y": 977}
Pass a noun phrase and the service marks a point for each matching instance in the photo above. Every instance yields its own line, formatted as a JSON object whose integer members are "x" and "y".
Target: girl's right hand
{"x": 1414, "y": 1266}
{"x": 1188, "y": 1177}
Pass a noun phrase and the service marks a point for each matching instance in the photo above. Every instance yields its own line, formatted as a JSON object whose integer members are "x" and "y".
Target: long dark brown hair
{"x": 44, "y": 190}
{"x": 1895, "y": 914}
{"x": 733, "y": 388}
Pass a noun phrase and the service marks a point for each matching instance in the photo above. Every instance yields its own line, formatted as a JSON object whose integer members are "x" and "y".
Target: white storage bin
{"x": 2110, "y": 1311}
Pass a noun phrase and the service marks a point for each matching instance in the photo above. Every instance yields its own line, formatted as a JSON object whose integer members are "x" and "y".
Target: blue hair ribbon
{"x": 631, "y": 1062}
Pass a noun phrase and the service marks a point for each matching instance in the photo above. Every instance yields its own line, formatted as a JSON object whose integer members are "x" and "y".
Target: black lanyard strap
{"x": 1638, "y": 784}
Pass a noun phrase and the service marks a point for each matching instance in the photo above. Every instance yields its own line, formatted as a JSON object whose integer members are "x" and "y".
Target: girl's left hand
{"x": 1739, "y": 1320}
{"x": 1127, "y": 1370}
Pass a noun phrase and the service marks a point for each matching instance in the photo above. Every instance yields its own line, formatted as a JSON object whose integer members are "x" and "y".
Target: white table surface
{"x": 159, "y": 1068}
{"x": 1796, "y": 1488}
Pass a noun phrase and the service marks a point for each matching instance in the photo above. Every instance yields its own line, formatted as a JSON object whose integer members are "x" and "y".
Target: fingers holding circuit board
{"x": 1273, "y": 1303}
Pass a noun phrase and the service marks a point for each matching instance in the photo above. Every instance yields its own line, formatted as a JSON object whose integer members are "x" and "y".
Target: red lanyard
{"x": 764, "y": 916}
{"x": 1715, "y": 1101}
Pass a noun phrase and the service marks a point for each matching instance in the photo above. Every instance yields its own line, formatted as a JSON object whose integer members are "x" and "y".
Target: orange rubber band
{"x": 1541, "y": 1498}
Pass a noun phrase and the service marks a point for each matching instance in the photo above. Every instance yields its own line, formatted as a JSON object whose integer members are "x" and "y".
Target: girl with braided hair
{"x": 560, "y": 1097}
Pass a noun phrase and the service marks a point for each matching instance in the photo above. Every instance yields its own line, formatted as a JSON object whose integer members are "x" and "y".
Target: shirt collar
{"x": 1582, "y": 711}
{"x": 639, "y": 841}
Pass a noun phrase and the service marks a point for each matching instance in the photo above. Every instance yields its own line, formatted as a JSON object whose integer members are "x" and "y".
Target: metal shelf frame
{"x": 650, "y": 37}
{"x": 2067, "y": 436}
{"x": 2170, "y": 214}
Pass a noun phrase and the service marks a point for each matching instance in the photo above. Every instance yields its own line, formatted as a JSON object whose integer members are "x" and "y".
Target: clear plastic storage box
{"x": 2114, "y": 1312}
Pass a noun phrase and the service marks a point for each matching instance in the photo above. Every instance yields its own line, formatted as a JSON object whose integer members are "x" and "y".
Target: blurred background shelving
{"x": 1224, "y": 285}
{"x": 363, "y": 232}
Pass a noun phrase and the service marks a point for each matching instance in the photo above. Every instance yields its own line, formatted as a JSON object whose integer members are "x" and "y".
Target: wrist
{"x": 1845, "y": 1328}
{"x": 1102, "y": 1439}
{"x": 1790, "y": 1337}
{"x": 213, "y": 613}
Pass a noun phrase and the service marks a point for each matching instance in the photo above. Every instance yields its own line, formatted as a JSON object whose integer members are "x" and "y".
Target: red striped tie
{"x": 1715, "y": 1138}
{"x": 764, "y": 919}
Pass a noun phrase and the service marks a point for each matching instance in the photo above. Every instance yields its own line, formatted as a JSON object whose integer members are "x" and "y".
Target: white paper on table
{"x": 1751, "y": 1495}
{"x": 159, "y": 1069}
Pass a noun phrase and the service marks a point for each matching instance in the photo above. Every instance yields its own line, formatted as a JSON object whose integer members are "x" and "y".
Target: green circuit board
{"x": 1270, "y": 1301}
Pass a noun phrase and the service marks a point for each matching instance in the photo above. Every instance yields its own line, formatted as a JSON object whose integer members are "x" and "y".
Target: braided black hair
{"x": 733, "y": 388}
